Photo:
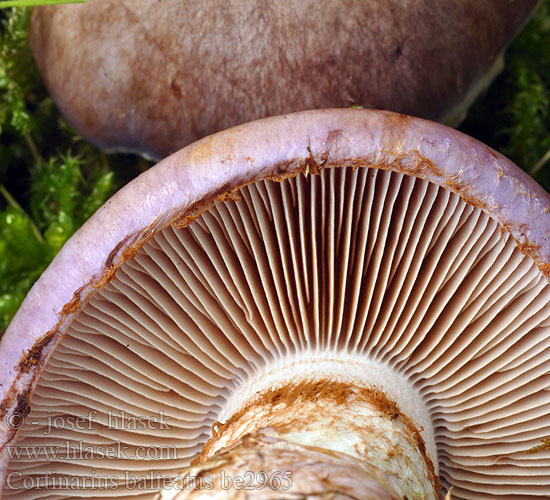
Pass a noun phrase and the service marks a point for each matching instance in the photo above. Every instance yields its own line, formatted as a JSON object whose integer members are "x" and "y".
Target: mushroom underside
{"x": 354, "y": 266}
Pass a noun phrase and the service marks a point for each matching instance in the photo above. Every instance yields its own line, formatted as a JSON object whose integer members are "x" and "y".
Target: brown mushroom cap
{"x": 407, "y": 245}
{"x": 155, "y": 76}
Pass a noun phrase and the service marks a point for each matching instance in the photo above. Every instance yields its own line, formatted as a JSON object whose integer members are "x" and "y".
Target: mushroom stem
{"x": 316, "y": 437}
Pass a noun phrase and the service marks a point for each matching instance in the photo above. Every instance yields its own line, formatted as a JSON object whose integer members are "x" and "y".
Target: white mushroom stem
{"x": 315, "y": 437}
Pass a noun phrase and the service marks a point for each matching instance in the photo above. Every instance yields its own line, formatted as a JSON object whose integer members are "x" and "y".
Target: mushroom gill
{"x": 357, "y": 298}
{"x": 354, "y": 274}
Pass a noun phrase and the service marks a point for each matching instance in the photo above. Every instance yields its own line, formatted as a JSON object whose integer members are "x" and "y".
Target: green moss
{"x": 514, "y": 116}
{"x": 34, "y": 3}
{"x": 51, "y": 181}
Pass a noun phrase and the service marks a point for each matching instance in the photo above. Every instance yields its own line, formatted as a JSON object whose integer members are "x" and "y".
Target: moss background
{"x": 513, "y": 116}
{"x": 51, "y": 180}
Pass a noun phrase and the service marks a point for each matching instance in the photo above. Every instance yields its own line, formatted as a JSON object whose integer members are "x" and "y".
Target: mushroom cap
{"x": 154, "y": 77}
{"x": 494, "y": 241}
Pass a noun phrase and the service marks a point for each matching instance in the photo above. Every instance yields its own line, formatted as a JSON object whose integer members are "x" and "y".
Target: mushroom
{"x": 343, "y": 301}
{"x": 153, "y": 77}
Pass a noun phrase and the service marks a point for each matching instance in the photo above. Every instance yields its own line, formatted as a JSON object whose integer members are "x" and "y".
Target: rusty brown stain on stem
{"x": 320, "y": 392}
